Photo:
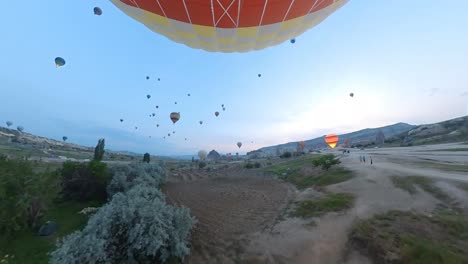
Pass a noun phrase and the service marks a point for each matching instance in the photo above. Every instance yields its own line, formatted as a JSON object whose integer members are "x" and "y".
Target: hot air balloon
{"x": 64, "y": 138}
{"x": 136, "y": 128}
{"x": 157, "y": 125}
{"x": 147, "y": 77}
{"x": 201, "y": 122}
{"x": 157, "y": 106}
{"x": 229, "y": 26}
{"x": 185, "y": 138}
{"x": 293, "y": 40}
{"x": 59, "y": 62}
{"x": 239, "y": 144}
{"x": 121, "y": 120}
{"x": 202, "y": 154}
{"x": 259, "y": 75}
{"x": 168, "y": 134}
{"x": 216, "y": 113}
{"x": 175, "y": 117}
{"x": 159, "y": 79}
{"x": 351, "y": 94}
{"x": 9, "y": 123}
{"x": 173, "y": 132}
{"x": 148, "y": 96}
{"x": 301, "y": 145}
{"x": 188, "y": 94}
{"x": 20, "y": 128}
{"x": 153, "y": 114}
{"x": 331, "y": 140}
{"x": 175, "y": 102}
{"x": 224, "y": 109}
{"x": 222, "y": 105}
{"x": 97, "y": 11}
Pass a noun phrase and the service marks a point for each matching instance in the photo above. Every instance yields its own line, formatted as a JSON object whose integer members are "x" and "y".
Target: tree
{"x": 326, "y": 161}
{"x": 99, "y": 150}
{"x": 146, "y": 158}
{"x": 380, "y": 138}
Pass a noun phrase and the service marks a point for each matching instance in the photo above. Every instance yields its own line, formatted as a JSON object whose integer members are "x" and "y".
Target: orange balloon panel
{"x": 229, "y": 25}
{"x": 331, "y": 140}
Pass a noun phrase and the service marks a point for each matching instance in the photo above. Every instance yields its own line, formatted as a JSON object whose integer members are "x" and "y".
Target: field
{"x": 289, "y": 211}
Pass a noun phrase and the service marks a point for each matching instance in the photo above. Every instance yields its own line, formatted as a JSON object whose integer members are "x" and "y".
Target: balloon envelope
{"x": 229, "y": 25}
{"x": 59, "y": 62}
{"x": 239, "y": 144}
{"x": 331, "y": 140}
{"x": 216, "y": 113}
{"x": 97, "y": 11}
{"x": 351, "y": 94}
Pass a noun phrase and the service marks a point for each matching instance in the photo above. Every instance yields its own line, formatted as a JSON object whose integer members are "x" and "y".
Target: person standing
{"x": 370, "y": 160}
{"x": 360, "y": 158}
{"x": 364, "y": 159}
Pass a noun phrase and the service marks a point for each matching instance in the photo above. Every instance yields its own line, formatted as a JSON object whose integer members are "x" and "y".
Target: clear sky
{"x": 405, "y": 61}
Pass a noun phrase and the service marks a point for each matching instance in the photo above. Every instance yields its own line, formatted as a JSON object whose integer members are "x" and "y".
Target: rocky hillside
{"x": 444, "y": 132}
{"x": 360, "y": 137}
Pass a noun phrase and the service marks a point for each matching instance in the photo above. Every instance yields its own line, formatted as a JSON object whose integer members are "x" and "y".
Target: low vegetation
{"x": 302, "y": 173}
{"x": 409, "y": 184}
{"x": 332, "y": 202}
{"x": 406, "y": 237}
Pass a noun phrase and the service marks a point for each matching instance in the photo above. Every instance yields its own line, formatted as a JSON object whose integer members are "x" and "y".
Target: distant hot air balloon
{"x": 97, "y": 11}
{"x": 148, "y": 96}
{"x": 121, "y": 120}
{"x": 239, "y": 144}
{"x": 293, "y": 40}
{"x": 351, "y": 94}
{"x": 173, "y": 132}
{"x": 331, "y": 140}
{"x": 168, "y": 134}
{"x": 229, "y": 25}
{"x": 259, "y": 75}
{"x": 202, "y": 154}
{"x": 164, "y": 137}
{"x": 136, "y": 128}
{"x": 222, "y": 105}
{"x": 20, "y": 128}
{"x": 153, "y": 114}
{"x": 216, "y": 113}
{"x": 59, "y": 62}
{"x": 147, "y": 77}
{"x": 150, "y": 115}
{"x": 188, "y": 94}
{"x": 185, "y": 138}
{"x": 9, "y": 123}
{"x": 159, "y": 79}
{"x": 157, "y": 125}
{"x": 224, "y": 109}
{"x": 175, "y": 117}
{"x": 175, "y": 102}
{"x": 64, "y": 138}
{"x": 201, "y": 122}
{"x": 157, "y": 106}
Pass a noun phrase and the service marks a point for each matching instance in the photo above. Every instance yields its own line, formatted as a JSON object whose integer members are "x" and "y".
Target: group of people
{"x": 363, "y": 159}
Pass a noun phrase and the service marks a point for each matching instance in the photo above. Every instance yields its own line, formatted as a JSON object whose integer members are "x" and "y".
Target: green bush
{"x": 201, "y": 164}
{"x": 286, "y": 155}
{"x": 249, "y": 166}
{"x": 24, "y": 195}
{"x": 84, "y": 181}
{"x": 325, "y": 161}
{"x": 257, "y": 165}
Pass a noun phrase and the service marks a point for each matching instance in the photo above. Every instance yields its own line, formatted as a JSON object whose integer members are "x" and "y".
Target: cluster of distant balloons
{"x": 316, "y": 13}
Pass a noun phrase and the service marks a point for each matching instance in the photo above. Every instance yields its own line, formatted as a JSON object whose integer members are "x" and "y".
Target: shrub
{"x": 134, "y": 227}
{"x": 257, "y": 165}
{"x": 84, "y": 182}
{"x": 146, "y": 158}
{"x": 201, "y": 164}
{"x": 286, "y": 155}
{"x": 249, "y": 166}
{"x": 24, "y": 195}
{"x": 124, "y": 177}
{"x": 326, "y": 161}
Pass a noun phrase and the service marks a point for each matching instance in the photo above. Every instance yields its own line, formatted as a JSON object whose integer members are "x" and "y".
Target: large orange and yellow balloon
{"x": 229, "y": 25}
{"x": 331, "y": 140}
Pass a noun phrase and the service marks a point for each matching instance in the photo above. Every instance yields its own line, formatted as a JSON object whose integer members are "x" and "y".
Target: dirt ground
{"x": 242, "y": 215}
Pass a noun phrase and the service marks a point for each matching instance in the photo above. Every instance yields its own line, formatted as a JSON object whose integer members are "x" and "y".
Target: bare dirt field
{"x": 242, "y": 213}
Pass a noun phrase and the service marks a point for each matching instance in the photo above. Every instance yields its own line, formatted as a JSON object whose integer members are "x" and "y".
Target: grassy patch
{"x": 27, "y": 247}
{"x": 329, "y": 203}
{"x": 445, "y": 167}
{"x": 463, "y": 186}
{"x": 302, "y": 173}
{"x": 405, "y": 237}
{"x": 450, "y": 149}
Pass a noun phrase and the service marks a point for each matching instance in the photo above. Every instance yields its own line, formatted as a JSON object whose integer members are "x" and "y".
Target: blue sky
{"x": 405, "y": 61}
